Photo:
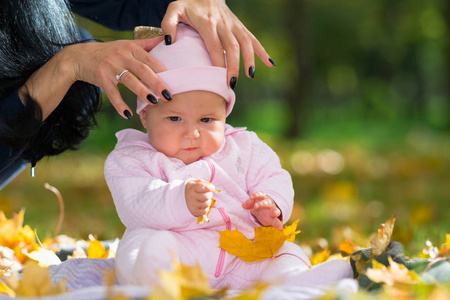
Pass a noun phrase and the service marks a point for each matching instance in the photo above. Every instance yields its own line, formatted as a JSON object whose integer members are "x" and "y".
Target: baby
{"x": 162, "y": 181}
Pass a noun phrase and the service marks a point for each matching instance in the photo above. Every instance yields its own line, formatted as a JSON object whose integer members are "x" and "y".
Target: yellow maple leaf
{"x": 15, "y": 236}
{"x": 380, "y": 241}
{"x": 348, "y": 247}
{"x": 394, "y": 273}
{"x": 320, "y": 257}
{"x": 268, "y": 240}
{"x": 253, "y": 293}
{"x": 5, "y": 289}
{"x": 204, "y": 218}
{"x": 291, "y": 231}
{"x": 96, "y": 249}
{"x": 184, "y": 282}
{"x": 35, "y": 282}
{"x": 445, "y": 249}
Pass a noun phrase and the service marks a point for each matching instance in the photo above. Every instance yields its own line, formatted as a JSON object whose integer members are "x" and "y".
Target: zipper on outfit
{"x": 225, "y": 217}
{"x": 212, "y": 168}
{"x": 221, "y": 260}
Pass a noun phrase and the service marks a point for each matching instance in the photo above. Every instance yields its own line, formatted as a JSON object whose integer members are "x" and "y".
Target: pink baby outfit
{"x": 148, "y": 189}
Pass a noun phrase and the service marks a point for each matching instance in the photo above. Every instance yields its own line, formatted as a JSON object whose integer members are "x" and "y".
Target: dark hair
{"x": 32, "y": 32}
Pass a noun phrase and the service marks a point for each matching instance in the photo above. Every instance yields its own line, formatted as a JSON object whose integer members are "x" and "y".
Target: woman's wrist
{"x": 49, "y": 84}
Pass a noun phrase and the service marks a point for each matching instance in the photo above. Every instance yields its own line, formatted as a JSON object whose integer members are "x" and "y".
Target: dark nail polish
{"x": 127, "y": 114}
{"x": 233, "y": 82}
{"x": 167, "y": 95}
{"x": 168, "y": 39}
{"x": 251, "y": 72}
{"x": 272, "y": 62}
{"x": 152, "y": 99}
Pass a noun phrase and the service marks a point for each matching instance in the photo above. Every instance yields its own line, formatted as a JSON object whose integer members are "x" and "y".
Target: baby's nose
{"x": 192, "y": 133}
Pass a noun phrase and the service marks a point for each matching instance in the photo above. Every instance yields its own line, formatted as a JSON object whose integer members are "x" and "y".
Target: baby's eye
{"x": 174, "y": 119}
{"x": 206, "y": 120}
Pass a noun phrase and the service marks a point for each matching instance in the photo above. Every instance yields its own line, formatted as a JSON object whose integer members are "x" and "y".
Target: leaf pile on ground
{"x": 20, "y": 249}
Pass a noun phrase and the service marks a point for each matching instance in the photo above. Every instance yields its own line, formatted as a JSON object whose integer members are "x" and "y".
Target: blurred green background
{"x": 358, "y": 108}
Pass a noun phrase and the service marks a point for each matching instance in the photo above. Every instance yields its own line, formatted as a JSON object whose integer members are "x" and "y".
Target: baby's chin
{"x": 189, "y": 159}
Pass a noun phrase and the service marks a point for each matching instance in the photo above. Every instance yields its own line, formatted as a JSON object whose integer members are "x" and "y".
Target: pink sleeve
{"x": 143, "y": 200}
{"x": 266, "y": 174}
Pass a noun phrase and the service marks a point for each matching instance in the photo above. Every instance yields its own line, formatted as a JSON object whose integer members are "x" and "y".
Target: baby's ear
{"x": 143, "y": 117}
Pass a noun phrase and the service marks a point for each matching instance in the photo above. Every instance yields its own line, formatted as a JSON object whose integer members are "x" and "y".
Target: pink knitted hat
{"x": 189, "y": 68}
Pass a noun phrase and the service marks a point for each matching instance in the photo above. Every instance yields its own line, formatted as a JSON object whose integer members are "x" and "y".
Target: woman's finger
{"x": 214, "y": 45}
{"x": 170, "y": 21}
{"x": 232, "y": 51}
{"x": 137, "y": 87}
{"x": 145, "y": 66}
{"x": 113, "y": 94}
{"x": 148, "y": 44}
{"x": 246, "y": 47}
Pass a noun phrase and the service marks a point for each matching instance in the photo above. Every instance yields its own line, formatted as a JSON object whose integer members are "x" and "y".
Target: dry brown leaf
{"x": 394, "y": 273}
{"x": 44, "y": 257}
{"x": 380, "y": 241}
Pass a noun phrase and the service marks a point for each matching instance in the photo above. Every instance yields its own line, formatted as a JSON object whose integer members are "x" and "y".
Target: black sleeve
{"x": 122, "y": 14}
{"x": 10, "y": 108}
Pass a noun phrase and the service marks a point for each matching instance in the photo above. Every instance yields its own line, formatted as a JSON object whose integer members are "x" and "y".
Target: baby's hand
{"x": 198, "y": 194}
{"x": 264, "y": 209}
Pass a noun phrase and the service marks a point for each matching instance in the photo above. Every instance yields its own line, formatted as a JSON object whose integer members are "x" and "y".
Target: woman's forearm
{"x": 49, "y": 84}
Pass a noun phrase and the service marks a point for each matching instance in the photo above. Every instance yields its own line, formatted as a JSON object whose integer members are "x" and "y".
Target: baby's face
{"x": 189, "y": 127}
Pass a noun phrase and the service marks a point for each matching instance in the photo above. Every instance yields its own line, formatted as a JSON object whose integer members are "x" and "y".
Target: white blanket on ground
{"x": 85, "y": 280}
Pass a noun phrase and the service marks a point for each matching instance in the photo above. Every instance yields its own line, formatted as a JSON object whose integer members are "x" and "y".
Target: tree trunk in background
{"x": 447, "y": 18}
{"x": 297, "y": 95}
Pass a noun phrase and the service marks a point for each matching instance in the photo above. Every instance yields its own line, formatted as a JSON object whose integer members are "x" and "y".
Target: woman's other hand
{"x": 221, "y": 30}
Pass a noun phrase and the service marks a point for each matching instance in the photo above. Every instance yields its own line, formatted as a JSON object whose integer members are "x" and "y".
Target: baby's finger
{"x": 249, "y": 204}
{"x": 277, "y": 224}
{"x": 203, "y": 186}
{"x": 204, "y": 205}
{"x": 258, "y": 196}
{"x": 276, "y": 213}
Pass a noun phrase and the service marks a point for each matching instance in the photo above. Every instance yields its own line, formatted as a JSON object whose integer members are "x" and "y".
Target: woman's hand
{"x": 221, "y": 30}
{"x": 103, "y": 61}
{"x": 98, "y": 64}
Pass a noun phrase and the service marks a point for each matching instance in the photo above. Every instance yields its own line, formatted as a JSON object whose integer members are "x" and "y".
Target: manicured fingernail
{"x": 251, "y": 72}
{"x": 168, "y": 39}
{"x": 272, "y": 62}
{"x": 127, "y": 114}
{"x": 152, "y": 99}
{"x": 167, "y": 95}
{"x": 233, "y": 82}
